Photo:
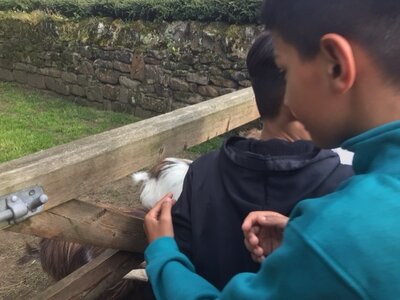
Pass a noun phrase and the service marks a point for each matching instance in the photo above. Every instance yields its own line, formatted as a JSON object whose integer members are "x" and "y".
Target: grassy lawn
{"x": 31, "y": 121}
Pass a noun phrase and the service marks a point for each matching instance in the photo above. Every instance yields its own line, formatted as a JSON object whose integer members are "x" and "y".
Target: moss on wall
{"x": 105, "y": 61}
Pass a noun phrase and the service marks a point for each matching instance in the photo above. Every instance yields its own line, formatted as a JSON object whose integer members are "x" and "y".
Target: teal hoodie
{"x": 345, "y": 245}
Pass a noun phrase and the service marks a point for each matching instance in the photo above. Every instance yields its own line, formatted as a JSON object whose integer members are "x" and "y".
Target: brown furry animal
{"x": 60, "y": 258}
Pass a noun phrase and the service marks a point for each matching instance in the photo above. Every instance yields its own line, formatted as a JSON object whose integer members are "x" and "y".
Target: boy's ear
{"x": 340, "y": 62}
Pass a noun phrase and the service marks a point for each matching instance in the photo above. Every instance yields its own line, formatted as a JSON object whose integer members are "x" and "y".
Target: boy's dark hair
{"x": 267, "y": 81}
{"x": 373, "y": 24}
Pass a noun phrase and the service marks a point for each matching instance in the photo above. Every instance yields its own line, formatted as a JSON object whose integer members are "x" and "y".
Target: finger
{"x": 257, "y": 259}
{"x": 165, "y": 213}
{"x": 155, "y": 211}
{"x": 255, "y": 229}
{"x": 256, "y": 254}
{"x": 254, "y": 249}
{"x": 253, "y": 239}
{"x": 277, "y": 220}
{"x": 261, "y": 259}
{"x": 256, "y": 216}
{"x": 250, "y": 246}
{"x": 278, "y": 236}
{"x": 166, "y": 196}
{"x": 253, "y": 232}
{"x": 254, "y": 257}
{"x": 249, "y": 221}
{"x": 258, "y": 251}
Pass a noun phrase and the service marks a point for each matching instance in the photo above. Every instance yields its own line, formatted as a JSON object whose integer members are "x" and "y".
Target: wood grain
{"x": 89, "y": 281}
{"x": 87, "y": 224}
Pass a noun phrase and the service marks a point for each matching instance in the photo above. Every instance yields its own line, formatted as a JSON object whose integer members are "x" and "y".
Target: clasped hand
{"x": 263, "y": 232}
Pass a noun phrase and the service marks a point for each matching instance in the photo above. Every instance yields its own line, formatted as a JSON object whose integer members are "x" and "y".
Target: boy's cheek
{"x": 285, "y": 99}
{"x": 289, "y": 99}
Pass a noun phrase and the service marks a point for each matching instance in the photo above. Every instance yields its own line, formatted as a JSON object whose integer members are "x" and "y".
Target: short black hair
{"x": 267, "y": 81}
{"x": 373, "y": 24}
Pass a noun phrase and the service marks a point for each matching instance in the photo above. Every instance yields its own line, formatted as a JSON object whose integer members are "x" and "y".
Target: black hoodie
{"x": 221, "y": 188}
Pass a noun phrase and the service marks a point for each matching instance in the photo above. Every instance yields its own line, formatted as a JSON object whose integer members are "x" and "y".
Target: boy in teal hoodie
{"x": 342, "y": 64}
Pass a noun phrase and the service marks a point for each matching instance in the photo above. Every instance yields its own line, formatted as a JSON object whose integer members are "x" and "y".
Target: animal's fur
{"x": 60, "y": 258}
{"x": 166, "y": 176}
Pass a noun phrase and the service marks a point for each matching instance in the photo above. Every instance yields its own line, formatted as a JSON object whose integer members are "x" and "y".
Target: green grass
{"x": 31, "y": 121}
{"x": 208, "y": 146}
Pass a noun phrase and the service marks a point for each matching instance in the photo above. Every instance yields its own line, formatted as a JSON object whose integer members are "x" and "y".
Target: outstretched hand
{"x": 263, "y": 232}
{"x": 158, "y": 221}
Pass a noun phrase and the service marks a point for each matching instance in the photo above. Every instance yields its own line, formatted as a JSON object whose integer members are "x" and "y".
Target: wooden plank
{"x": 90, "y": 281}
{"x": 70, "y": 170}
{"x": 87, "y": 224}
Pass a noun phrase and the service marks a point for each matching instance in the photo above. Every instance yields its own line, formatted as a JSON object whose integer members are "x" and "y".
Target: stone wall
{"x": 137, "y": 67}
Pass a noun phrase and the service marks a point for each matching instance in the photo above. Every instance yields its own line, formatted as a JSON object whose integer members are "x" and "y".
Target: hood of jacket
{"x": 275, "y": 174}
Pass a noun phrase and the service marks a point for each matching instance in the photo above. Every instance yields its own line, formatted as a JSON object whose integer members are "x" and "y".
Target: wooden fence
{"x": 68, "y": 171}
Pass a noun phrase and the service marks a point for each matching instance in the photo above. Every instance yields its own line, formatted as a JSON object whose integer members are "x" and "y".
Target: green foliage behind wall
{"x": 231, "y": 11}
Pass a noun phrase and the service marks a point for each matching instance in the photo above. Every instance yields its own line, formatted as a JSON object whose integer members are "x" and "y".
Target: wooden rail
{"x": 87, "y": 224}
{"x": 92, "y": 279}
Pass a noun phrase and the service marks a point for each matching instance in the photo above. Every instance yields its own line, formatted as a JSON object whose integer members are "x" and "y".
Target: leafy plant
{"x": 231, "y": 11}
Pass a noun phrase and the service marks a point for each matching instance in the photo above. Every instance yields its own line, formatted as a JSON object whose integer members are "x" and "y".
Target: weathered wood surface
{"x": 90, "y": 281}
{"x": 87, "y": 224}
{"x": 70, "y": 170}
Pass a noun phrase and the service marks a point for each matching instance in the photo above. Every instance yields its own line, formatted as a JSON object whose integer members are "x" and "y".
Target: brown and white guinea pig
{"x": 167, "y": 176}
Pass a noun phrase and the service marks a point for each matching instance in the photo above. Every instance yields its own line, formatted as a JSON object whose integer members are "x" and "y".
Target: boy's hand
{"x": 263, "y": 232}
{"x": 158, "y": 221}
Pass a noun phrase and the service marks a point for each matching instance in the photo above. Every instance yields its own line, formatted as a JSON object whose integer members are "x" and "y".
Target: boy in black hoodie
{"x": 274, "y": 173}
